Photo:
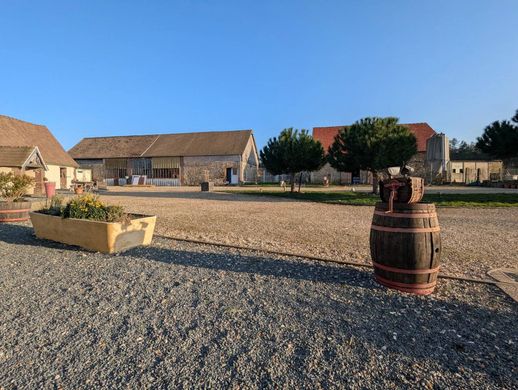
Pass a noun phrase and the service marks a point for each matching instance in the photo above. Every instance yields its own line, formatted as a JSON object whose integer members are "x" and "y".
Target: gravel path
{"x": 183, "y": 315}
{"x": 474, "y": 240}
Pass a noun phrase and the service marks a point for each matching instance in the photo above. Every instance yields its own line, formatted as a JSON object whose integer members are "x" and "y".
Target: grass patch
{"x": 365, "y": 199}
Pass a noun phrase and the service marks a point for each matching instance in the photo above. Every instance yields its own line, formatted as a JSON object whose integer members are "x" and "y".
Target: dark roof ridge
{"x": 21, "y": 120}
{"x": 162, "y": 134}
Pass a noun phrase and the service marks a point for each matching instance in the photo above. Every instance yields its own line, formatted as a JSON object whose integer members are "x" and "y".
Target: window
{"x": 461, "y": 170}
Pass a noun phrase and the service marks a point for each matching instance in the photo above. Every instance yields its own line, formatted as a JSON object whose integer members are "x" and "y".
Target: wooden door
{"x": 63, "y": 178}
{"x": 229, "y": 175}
{"x": 38, "y": 182}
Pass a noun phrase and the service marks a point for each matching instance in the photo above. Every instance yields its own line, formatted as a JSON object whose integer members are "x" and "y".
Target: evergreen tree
{"x": 500, "y": 139}
{"x": 372, "y": 144}
{"x": 292, "y": 152}
{"x": 461, "y": 150}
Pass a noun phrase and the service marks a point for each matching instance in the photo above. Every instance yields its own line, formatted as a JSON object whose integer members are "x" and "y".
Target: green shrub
{"x": 57, "y": 204}
{"x": 86, "y": 207}
{"x": 14, "y": 187}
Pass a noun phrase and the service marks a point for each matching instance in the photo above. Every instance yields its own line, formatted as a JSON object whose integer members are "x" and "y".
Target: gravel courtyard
{"x": 185, "y": 315}
{"x": 474, "y": 240}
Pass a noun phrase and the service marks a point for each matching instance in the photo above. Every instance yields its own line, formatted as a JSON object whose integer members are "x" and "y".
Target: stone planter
{"x": 14, "y": 211}
{"x": 105, "y": 237}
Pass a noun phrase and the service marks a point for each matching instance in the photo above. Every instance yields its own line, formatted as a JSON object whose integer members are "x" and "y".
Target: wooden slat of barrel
{"x": 14, "y": 211}
{"x": 411, "y": 192}
{"x": 402, "y": 257}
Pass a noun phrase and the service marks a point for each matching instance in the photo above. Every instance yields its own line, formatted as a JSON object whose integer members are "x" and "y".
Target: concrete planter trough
{"x": 105, "y": 237}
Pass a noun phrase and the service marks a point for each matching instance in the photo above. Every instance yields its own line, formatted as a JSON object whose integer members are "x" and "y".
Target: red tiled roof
{"x": 422, "y": 131}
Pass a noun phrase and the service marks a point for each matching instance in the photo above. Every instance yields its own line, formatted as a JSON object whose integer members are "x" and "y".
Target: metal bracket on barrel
{"x": 393, "y": 185}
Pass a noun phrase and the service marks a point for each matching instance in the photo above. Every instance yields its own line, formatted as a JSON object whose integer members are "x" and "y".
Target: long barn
{"x": 224, "y": 157}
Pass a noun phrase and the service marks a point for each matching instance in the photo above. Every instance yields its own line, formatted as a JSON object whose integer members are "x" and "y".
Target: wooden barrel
{"x": 406, "y": 247}
{"x": 411, "y": 190}
{"x": 14, "y": 211}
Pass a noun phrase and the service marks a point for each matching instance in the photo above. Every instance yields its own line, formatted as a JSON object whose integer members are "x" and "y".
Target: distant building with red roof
{"x": 326, "y": 136}
{"x": 422, "y": 132}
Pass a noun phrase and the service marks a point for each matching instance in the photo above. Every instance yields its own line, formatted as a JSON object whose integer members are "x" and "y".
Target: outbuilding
{"x": 223, "y": 157}
{"x": 33, "y": 150}
{"x": 475, "y": 171}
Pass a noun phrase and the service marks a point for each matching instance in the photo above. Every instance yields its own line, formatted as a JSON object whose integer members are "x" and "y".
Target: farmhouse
{"x": 33, "y": 150}
{"x": 224, "y": 157}
{"x": 326, "y": 136}
{"x": 471, "y": 171}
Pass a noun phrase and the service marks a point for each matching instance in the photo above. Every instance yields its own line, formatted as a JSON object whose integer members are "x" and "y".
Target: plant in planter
{"x": 87, "y": 222}
{"x": 13, "y": 208}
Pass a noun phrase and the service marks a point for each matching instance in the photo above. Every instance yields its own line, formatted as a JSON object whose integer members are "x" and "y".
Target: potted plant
{"x": 78, "y": 188}
{"x": 87, "y": 222}
{"x": 13, "y": 208}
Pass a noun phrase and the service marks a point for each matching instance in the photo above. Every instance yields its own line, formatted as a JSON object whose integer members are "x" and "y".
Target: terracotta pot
{"x": 50, "y": 189}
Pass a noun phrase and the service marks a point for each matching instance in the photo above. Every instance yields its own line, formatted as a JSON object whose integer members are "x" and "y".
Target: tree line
{"x": 374, "y": 144}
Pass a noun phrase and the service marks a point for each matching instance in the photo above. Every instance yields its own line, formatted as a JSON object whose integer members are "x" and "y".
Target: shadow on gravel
{"x": 218, "y": 196}
{"x": 258, "y": 265}
{"x": 23, "y": 234}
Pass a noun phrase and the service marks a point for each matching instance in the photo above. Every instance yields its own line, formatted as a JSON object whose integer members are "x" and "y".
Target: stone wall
{"x": 418, "y": 163}
{"x": 194, "y": 170}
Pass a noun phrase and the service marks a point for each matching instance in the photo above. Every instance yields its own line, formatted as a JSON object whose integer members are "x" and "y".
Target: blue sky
{"x": 93, "y": 68}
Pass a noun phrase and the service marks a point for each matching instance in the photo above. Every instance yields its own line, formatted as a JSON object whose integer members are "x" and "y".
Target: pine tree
{"x": 292, "y": 152}
{"x": 500, "y": 139}
{"x": 372, "y": 144}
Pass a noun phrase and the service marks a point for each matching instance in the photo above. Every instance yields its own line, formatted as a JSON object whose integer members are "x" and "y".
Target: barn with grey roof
{"x": 224, "y": 157}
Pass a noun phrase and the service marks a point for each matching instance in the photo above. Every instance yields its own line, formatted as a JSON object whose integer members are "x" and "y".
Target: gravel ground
{"x": 184, "y": 315}
{"x": 474, "y": 240}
